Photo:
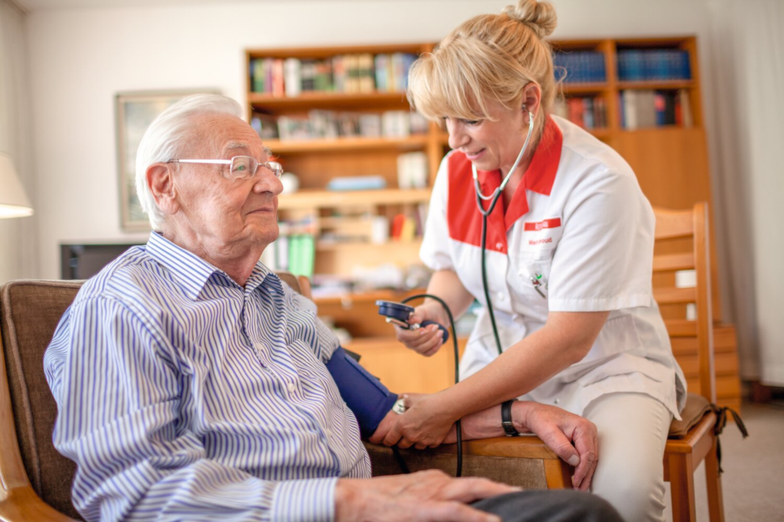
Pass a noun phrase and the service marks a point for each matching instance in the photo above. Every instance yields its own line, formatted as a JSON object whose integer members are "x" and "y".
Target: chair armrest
{"x": 23, "y": 504}
{"x": 520, "y": 461}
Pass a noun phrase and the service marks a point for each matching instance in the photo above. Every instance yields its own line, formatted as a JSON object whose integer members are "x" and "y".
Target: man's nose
{"x": 266, "y": 181}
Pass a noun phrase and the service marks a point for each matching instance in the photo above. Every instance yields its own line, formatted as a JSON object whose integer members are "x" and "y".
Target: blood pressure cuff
{"x": 363, "y": 393}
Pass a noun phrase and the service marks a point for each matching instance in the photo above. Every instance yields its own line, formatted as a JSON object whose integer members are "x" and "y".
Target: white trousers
{"x": 633, "y": 431}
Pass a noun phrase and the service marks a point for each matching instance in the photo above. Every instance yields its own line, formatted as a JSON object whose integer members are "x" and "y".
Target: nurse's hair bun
{"x": 539, "y": 16}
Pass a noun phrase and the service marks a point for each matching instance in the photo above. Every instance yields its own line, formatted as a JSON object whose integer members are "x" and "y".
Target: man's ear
{"x": 161, "y": 183}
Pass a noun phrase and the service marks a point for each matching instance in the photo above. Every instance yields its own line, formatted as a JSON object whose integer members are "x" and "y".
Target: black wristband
{"x": 506, "y": 419}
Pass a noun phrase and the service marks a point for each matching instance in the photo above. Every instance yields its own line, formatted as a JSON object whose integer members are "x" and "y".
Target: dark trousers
{"x": 554, "y": 505}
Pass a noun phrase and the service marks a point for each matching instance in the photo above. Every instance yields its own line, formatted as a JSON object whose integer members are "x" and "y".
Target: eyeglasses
{"x": 240, "y": 167}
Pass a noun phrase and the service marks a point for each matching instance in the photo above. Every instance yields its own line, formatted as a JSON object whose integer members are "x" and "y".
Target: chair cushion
{"x": 696, "y": 408}
{"x": 30, "y": 312}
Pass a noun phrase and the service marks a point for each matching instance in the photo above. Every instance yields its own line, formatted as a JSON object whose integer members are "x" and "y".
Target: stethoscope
{"x": 399, "y": 313}
{"x": 493, "y": 198}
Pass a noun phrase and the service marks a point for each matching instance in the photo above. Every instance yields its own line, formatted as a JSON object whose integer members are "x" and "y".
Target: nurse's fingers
{"x": 422, "y": 340}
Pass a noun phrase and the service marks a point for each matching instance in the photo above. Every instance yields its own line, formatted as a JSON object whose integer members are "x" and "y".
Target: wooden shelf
{"x": 329, "y": 199}
{"x": 601, "y": 133}
{"x": 585, "y": 88}
{"x": 311, "y": 100}
{"x": 335, "y": 245}
{"x": 657, "y": 85}
{"x": 367, "y": 297}
{"x": 346, "y": 144}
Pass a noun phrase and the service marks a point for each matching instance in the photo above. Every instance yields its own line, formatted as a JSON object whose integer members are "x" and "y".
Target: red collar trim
{"x": 540, "y": 175}
{"x": 465, "y": 222}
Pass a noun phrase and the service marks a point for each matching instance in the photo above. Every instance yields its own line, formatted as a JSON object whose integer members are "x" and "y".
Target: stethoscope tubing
{"x": 486, "y": 212}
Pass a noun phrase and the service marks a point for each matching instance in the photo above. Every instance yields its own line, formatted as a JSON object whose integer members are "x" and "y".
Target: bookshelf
{"x": 668, "y": 154}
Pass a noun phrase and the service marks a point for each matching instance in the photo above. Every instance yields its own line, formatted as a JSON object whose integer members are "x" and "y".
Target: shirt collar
{"x": 539, "y": 177}
{"x": 192, "y": 272}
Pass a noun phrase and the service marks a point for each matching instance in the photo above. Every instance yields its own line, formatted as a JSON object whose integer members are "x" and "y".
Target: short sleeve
{"x": 435, "y": 243}
{"x": 604, "y": 258}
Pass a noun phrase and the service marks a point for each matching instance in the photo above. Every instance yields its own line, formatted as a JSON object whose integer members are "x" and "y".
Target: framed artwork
{"x": 134, "y": 112}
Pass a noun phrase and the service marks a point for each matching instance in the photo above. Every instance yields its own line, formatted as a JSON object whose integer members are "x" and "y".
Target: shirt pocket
{"x": 535, "y": 258}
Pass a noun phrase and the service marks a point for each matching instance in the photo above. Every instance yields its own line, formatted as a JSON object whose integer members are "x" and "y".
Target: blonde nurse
{"x": 569, "y": 254}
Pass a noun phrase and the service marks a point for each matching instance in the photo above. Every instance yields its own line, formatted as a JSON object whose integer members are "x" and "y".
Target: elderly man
{"x": 193, "y": 384}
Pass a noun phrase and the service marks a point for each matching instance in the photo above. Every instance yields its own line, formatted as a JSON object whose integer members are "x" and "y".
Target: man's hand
{"x": 383, "y": 427}
{"x": 426, "y": 496}
{"x": 570, "y": 436}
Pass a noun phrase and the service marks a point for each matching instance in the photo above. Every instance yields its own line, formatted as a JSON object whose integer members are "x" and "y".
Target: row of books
{"x": 653, "y": 64}
{"x": 647, "y": 108}
{"x": 579, "y": 67}
{"x": 320, "y": 124}
{"x": 588, "y": 112}
{"x": 295, "y": 248}
{"x": 348, "y": 73}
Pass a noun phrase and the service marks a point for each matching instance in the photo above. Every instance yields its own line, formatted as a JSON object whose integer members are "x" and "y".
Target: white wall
{"x": 80, "y": 58}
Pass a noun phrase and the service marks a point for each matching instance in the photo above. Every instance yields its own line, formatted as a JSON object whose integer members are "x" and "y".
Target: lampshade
{"x": 13, "y": 200}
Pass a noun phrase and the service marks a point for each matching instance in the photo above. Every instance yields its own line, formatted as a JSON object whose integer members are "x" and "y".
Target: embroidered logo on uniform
{"x": 531, "y": 226}
{"x": 540, "y": 241}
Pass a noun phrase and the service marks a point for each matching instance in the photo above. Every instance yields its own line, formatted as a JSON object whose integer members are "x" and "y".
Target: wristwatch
{"x": 506, "y": 419}
{"x": 400, "y": 406}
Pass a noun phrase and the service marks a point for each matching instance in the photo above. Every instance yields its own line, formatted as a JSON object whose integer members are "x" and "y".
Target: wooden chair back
{"x": 682, "y": 243}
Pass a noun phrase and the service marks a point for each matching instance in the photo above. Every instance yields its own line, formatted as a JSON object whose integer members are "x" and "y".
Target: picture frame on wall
{"x": 134, "y": 112}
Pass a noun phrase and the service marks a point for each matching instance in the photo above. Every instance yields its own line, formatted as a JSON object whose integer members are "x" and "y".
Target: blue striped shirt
{"x": 184, "y": 396}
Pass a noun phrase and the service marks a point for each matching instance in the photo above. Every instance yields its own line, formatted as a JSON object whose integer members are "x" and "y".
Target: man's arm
{"x": 119, "y": 395}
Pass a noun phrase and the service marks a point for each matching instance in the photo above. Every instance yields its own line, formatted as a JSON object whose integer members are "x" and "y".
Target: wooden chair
{"x": 692, "y": 440}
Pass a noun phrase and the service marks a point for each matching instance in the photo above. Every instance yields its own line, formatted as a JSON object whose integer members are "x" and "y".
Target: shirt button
{"x": 499, "y": 246}
{"x": 501, "y": 296}
{"x": 556, "y": 401}
{"x": 292, "y": 387}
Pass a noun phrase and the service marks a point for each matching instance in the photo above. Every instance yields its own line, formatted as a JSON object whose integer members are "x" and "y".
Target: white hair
{"x": 164, "y": 140}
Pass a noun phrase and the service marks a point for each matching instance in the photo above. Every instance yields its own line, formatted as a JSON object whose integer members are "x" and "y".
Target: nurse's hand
{"x": 571, "y": 437}
{"x": 425, "y": 341}
{"x": 425, "y": 424}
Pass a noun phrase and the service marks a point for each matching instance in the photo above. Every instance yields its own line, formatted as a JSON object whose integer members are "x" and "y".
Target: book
{"x": 412, "y": 170}
{"x": 357, "y": 183}
{"x": 292, "y": 77}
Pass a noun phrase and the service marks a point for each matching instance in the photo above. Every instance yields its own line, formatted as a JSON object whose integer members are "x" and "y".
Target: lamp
{"x": 13, "y": 200}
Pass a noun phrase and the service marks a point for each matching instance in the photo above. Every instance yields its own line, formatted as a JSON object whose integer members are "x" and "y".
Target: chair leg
{"x": 713, "y": 481}
{"x": 558, "y": 474}
{"x": 682, "y": 486}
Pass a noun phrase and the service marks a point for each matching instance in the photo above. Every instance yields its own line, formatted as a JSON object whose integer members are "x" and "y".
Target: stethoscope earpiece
{"x": 497, "y": 191}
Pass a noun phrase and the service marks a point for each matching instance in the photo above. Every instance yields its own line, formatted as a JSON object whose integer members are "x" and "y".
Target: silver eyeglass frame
{"x": 273, "y": 166}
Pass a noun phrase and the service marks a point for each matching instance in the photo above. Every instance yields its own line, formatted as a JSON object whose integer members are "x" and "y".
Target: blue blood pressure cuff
{"x": 363, "y": 393}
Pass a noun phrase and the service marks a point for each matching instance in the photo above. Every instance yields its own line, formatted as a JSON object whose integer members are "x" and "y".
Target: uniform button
{"x": 501, "y": 296}
{"x": 499, "y": 245}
